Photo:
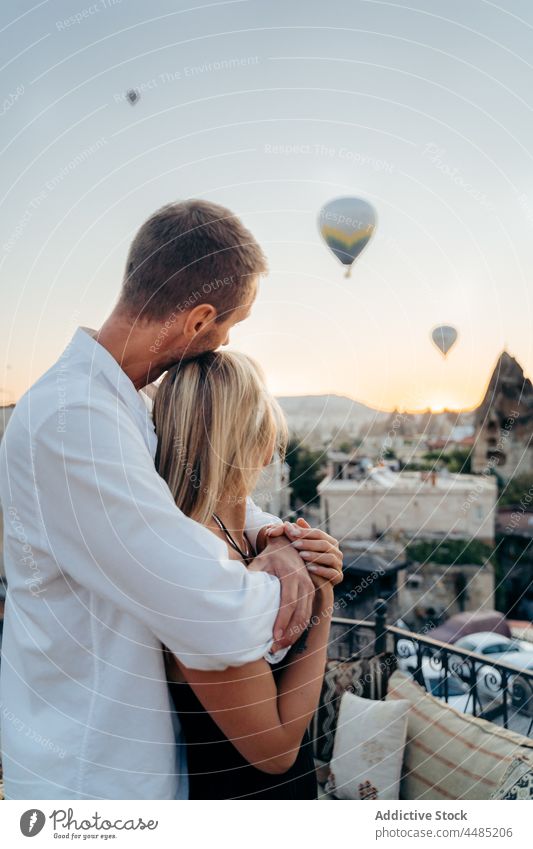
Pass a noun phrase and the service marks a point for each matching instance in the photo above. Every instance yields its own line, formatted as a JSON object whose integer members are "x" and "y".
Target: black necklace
{"x": 247, "y": 556}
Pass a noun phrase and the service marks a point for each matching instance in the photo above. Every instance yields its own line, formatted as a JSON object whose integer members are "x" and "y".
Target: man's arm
{"x": 279, "y": 558}
{"x": 113, "y": 526}
{"x": 266, "y": 718}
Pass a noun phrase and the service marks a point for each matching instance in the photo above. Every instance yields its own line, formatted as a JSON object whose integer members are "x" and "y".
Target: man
{"x": 101, "y": 565}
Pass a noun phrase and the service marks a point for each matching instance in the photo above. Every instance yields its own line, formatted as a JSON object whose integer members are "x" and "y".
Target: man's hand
{"x": 319, "y": 550}
{"x": 281, "y": 559}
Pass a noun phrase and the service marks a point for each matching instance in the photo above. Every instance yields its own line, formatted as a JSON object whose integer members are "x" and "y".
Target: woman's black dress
{"x": 218, "y": 771}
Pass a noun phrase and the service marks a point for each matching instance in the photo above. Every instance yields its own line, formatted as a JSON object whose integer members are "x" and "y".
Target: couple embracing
{"x": 163, "y": 637}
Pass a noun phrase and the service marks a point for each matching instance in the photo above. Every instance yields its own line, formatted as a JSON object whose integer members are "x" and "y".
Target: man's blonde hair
{"x": 215, "y": 422}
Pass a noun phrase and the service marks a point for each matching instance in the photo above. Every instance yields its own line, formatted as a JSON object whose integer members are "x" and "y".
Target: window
{"x": 497, "y": 648}
{"x": 414, "y": 582}
{"x": 496, "y": 456}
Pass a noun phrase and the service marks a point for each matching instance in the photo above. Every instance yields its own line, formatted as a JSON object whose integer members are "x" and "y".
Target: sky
{"x": 273, "y": 109}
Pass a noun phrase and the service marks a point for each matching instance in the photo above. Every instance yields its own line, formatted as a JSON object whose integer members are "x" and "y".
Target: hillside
{"x": 319, "y": 418}
{"x": 316, "y": 418}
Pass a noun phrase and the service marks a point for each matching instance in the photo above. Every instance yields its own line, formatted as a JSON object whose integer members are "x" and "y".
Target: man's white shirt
{"x": 102, "y": 568}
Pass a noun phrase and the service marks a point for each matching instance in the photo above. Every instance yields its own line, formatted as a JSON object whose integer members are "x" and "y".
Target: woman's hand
{"x": 319, "y": 550}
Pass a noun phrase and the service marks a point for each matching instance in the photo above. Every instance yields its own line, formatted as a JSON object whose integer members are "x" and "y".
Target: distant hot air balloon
{"x": 444, "y": 337}
{"x": 347, "y": 225}
{"x": 132, "y": 96}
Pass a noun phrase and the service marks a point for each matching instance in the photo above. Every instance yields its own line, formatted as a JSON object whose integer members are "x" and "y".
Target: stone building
{"x": 372, "y": 570}
{"x": 374, "y": 501}
{"x": 432, "y": 592}
{"x": 504, "y": 423}
{"x": 361, "y": 502}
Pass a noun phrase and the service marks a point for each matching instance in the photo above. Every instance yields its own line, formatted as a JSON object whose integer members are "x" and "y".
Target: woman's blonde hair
{"x": 215, "y": 422}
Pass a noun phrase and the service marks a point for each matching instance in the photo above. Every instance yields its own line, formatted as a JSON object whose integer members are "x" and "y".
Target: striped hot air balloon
{"x": 347, "y": 225}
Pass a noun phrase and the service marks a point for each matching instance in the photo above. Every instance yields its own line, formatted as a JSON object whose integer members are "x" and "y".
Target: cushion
{"x": 517, "y": 783}
{"x": 368, "y": 748}
{"x": 450, "y": 755}
{"x": 365, "y": 677}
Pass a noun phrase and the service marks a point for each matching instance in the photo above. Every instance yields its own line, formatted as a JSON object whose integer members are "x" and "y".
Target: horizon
{"x": 375, "y": 409}
{"x": 426, "y": 409}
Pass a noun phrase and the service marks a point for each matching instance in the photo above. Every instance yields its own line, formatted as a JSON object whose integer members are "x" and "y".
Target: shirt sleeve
{"x": 257, "y": 519}
{"x": 113, "y": 527}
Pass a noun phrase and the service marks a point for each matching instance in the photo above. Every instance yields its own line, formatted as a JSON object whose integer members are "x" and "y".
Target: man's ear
{"x": 198, "y": 318}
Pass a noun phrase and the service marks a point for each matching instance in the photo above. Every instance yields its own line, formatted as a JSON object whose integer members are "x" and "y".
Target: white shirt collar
{"x": 140, "y": 403}
{"x": 102, "y": 361}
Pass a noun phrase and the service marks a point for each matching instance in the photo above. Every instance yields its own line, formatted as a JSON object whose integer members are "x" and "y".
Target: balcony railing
{"x": 491, "y": 689}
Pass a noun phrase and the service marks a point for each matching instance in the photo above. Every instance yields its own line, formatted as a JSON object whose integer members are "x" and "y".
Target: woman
{"x": 246, "y": 727}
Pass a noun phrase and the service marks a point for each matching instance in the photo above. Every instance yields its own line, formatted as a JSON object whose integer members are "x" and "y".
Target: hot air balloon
{"x": 444, "y": 337}
{"x": 347, "y": 225}
{"x": 132, "y": 96}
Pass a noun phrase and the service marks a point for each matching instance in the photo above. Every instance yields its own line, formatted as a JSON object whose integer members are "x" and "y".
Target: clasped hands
{"x": 308, "y": 562}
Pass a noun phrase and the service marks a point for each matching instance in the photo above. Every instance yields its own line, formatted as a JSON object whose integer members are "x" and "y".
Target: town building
{"x": 431, "y": 592}
{"x": 362, "y": 501}
{"x": 379, "y": 513}
{"x": 372, "y": 570}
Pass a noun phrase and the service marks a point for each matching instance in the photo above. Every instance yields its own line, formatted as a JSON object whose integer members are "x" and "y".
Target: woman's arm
{"x": 266, "y": 723}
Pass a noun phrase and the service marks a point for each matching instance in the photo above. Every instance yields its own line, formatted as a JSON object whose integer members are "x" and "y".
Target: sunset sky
{"x": 272, "y": 109}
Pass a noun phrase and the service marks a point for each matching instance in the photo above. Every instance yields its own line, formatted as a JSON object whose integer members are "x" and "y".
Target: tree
{"x": 450, "y": 551}
{"x": 307, "y": 470}
{"x": 346, "y": 447}
{"x": 457, "y": 461}
{"x": 517, "y": 492}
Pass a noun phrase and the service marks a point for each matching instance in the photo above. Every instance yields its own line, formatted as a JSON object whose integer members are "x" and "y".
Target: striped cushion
{"x": 450, "y": 755}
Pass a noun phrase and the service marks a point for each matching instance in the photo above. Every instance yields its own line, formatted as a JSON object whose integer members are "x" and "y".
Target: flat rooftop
{"x": 385, "y": 479}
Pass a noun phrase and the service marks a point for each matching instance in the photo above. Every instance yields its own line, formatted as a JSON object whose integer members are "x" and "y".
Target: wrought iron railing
{"x": 491, "y": 689}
